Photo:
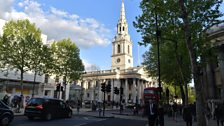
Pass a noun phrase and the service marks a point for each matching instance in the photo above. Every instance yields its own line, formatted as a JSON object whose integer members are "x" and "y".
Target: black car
{"x": 6, "y": 114}
{"x": 47, "y": 108}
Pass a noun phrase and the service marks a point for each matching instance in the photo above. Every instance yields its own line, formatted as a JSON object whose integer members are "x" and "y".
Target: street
{"x": 74, "y": 121}
{"x": 77, "y": 121}
{"x": 90, "y": 118}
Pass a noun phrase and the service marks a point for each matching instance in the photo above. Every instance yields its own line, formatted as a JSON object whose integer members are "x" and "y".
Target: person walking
{"x": 152, "y": 112}
{"x": 161, "y": 115}
{"x": 187, "y": 115}
{"x": 218, "y": 115}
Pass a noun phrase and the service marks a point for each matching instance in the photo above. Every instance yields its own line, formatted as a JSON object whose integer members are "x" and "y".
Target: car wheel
{"x": 48, "y": 116}
{"x": 69, "y": 114}
{"x": 5, "y": 121}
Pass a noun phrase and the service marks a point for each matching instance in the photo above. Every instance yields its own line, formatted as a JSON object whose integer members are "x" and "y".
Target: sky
{"x": 91, "y": 24}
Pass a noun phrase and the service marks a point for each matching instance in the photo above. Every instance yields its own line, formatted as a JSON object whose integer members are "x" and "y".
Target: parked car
{"x": 47, "y": 108}
{"x": 6, "y": 114}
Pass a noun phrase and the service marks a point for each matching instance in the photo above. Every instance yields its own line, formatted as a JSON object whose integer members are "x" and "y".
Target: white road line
{"x": 80, "y": 124}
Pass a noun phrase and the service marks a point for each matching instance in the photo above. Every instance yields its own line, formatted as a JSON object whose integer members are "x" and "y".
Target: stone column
{"x": 126, "y": 91}
{"x": 139, "y": 91}
{"x": 112, "y": 89}
{"x": 100, "y": 95}
{"x": 92, "y": 95}
{"x": 221, "y": 62}
{"x": 134, "y": 93}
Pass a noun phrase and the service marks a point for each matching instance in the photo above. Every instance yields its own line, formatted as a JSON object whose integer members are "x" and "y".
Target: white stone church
{"x": 122, "y": 74}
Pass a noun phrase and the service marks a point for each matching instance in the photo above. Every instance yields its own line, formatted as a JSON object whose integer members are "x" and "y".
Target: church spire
{"x": 122, "y": 26}
{"x": 122, "y": 13}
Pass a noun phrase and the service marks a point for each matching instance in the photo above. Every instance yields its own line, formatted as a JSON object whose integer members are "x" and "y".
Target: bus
{"x": 151, "y": 93}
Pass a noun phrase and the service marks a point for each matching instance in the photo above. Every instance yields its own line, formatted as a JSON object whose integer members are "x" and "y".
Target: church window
{"x": 118, "y": 48}
{"x": 128, "y": 49}
{"x": 123, "y": 28}
{"x": 120, "y": 29}
{"x": 89, "y": 85}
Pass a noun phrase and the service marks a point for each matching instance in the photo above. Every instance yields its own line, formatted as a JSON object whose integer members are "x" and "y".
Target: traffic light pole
{"x": 121, "y": 106}
{"x": 103, "y": 103}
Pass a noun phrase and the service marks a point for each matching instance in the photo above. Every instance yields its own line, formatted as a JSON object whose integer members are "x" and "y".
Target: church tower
{"x": 122, "y": 45}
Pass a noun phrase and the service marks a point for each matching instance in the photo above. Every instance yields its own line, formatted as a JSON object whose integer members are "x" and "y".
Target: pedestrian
{"x": 161, "y": 116}
{"x": 187, "y": 115}
{"x": 152, "y": 112}
{"x": 174, "y": 109}
{"x": 218, "y": 114}
{"x": 78, "y": 106}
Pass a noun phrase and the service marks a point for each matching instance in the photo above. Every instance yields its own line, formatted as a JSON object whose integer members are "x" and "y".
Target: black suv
{"x": 47, "y": 108}
{"x": 6, "y": 114}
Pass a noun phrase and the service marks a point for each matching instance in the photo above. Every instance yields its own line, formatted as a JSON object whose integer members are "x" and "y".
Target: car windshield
{"x": 35, "y": 101}
{"x": 3, "y": 105}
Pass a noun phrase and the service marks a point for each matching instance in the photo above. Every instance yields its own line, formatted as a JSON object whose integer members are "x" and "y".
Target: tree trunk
{"x": 186, "y": 92}
{"x": 200, "y": 104}
{"x": 182, "y": 94}
{"x": 34, "y": 80}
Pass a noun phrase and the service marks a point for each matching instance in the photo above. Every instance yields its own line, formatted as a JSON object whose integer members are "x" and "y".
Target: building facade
{"x": 133, "y": 80}
{"x": 213, "y": 72}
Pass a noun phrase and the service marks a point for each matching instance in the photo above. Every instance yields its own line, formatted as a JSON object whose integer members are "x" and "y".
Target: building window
{"x": 57, "y": 79}
{"x": 118, "y": 48}
{"x": 123, "y": 28}
{"x": 46, "y": 78}
{"x": 87, "y": 95}
{"x": 89, "y": 85}
{"x": 120, "y": 29}
{"x": 128, "y": 49}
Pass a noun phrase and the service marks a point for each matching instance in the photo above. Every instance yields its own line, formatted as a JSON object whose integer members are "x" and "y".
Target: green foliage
{"x": 66, "y": 59}
{"x": 18, "y": 42}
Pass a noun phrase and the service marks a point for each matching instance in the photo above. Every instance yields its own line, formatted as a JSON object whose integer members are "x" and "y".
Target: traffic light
{"x": 122, "y": 90}
{"x": 108, "y": 87}
{"x": 58, "y": 87}
{"x": 103, "y": 87}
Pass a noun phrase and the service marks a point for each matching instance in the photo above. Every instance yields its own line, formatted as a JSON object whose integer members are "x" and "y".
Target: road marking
{"x": 82, "y": 124}
{"x": 86, "y": 118}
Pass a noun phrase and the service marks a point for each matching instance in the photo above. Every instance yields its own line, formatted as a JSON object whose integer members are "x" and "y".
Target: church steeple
{"x": 122, "y": 27}
{"x": 122, "y": 45}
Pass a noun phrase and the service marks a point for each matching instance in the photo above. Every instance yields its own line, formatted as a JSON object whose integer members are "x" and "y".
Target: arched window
{"x": 118, "y": 48}
{"x": 123, "y": 28}
{"x": 120, "y": 29}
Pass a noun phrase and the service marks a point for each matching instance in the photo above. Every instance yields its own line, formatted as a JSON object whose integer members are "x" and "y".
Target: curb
{"x": 122, "y": 114}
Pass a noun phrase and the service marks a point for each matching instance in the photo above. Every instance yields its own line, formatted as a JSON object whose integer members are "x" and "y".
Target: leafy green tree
{"x": 41, "y": 61}
{"x": 190, "y": 19}
{"x": 67, "y": 62}
{"x": 175, "y": 66}
{"x": 17, "y": 44}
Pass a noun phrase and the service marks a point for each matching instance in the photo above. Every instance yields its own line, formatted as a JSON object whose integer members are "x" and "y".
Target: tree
{"x": 175, "y": 66}
{"x": 191, "y": 19}
{"x": 41, "y": 61}
{"x": 17, "y": 45}
{"x": 67, "y": 62}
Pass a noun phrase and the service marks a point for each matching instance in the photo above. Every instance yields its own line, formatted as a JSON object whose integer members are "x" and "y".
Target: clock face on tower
{"x": 118, "y": 60}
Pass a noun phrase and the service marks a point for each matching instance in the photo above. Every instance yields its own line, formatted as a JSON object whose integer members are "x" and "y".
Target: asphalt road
{"x": 74, "y": 121}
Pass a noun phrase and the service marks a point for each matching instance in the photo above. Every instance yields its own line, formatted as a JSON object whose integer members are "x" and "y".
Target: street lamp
{"x": 158, "y": 34}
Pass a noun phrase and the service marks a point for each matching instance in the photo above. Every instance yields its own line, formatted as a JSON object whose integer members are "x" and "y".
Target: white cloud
{"x": 90, "y": 67}
{"x": 58, "y": 24}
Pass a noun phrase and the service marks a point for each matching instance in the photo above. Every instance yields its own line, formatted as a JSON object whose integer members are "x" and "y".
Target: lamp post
{"x": 158, "y": 34}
